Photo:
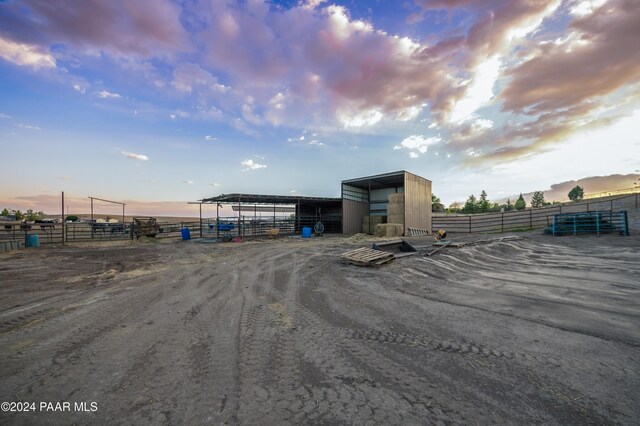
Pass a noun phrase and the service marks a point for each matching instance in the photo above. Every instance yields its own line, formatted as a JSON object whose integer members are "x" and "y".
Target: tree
{"x": 538, "y": 199}
{"x": 495, "y": 207}
{"x": 576, "y": 194}
{"x": 31, "y": 216}
{"x": 436, "y": 204}
{"x": 508, "y": 206}
{"x": 483, "y": 203}
{"x": 520, "y": 203}
{"x": 455, "y": 207}
{"x": 5, "y": 212}
{"x": 471, "y": 205}
{"x": 72, "y": 218}
{"x": 19, "y": 214}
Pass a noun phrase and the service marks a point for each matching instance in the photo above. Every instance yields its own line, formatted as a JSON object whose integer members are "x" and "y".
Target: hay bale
{"x": 395, "y": 209}
{"x": 388, "y": 230}
{"x": 369, "y": 224}
{"x": 395, "y": 218}
{"x": 396, "y": 198}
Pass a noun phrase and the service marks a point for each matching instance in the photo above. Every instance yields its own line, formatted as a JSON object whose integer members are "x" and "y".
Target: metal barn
{"x": 376, "y": 199}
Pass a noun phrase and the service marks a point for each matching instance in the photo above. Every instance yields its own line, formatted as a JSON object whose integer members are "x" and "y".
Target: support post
{"x": 274, "y": 216}
{"x": 530, "y": 219}
{"x": 239, "y": 215}
{"x": 200, "y": 220}
{"x": 369, "y": 204}
{"x": 502, "y": 223}
{"x": 298, "y": 215}
{"x": 123, "y": 216}
{"x": 92, "y": 223}
{"x": 469, "y": 223}
{"x": 217, "y": 220}
{"x": 63, "y": 221}
{"x": 626, "y": 223}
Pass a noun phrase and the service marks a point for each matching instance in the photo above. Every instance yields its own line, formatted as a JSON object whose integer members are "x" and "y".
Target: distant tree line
{"x": 29, "y": 215}
{"x": 482, "y": 204}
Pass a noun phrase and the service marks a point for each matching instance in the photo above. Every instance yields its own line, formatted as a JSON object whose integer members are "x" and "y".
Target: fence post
{"x": 502, "y": 222}
{"x": 531, "y": 219}
{"x": 611, "y": 204}
{"x": 63, "y": 221}
{"x": 469, "y": 223}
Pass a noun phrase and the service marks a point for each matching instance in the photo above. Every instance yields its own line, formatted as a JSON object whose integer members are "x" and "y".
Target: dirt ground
{"x": 534, "y": 330}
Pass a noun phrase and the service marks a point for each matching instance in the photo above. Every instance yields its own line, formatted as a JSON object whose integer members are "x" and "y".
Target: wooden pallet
{"x": 366, "y": 257}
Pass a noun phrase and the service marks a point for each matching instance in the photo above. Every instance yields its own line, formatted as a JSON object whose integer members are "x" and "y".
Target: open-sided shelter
{"x": 397, "y": 197}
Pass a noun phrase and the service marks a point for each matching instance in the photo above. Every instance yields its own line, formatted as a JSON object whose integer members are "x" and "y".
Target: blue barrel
{"x": 306, "y": 232}
{"x": 32, "y": 241}
{"x": 186, "y": 234}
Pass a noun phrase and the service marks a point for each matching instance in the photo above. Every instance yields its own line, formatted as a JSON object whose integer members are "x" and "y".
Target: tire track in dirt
{"x": 335, "y": 357}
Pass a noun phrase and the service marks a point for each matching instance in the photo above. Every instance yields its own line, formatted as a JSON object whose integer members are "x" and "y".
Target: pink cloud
{"x": 602, "y": 58}
{"x": 142, "y": 28}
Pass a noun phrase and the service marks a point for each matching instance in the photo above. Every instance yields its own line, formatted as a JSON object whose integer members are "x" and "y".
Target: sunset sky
{"x": 164, "y": 102}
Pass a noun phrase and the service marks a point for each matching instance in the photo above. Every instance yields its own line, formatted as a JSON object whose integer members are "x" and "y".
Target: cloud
{"x": 104, "y": 94}
{"x": 5, "y": 116}
{"x": 140, "y": 157}
{"x": 214, "y": 184}
{"x": 250, "y": 165}
{"x": 332, "y": 66}
{"x": 473, "y": 129}
{"x": 79, "y": 88}
{"x": 188, "y": 77}
{"x": 417, "y": 144}
{"x": 28, "y": 126}
{"x": 67, "y": 178}
{"x": 557, "y": 78}
{"x": 26, "y": 54}
{"x": 188, "y": 182}
{"x": 209, "y": 138}
{"x": 144, "y": 28}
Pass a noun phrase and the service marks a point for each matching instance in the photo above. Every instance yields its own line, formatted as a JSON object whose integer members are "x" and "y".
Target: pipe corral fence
{"x": 245, "y": 226}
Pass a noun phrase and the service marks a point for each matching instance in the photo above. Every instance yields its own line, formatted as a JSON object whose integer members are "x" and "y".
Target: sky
{"x": 160, "y": 102}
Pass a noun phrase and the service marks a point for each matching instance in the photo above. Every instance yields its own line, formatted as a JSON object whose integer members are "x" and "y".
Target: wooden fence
{"x": 530, "y": 218}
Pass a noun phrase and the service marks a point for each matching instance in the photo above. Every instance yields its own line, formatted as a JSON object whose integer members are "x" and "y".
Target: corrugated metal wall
{"x": 352, "y": 212}
{"x": 380, "y": 198}
{"x": 417, "y": 202}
